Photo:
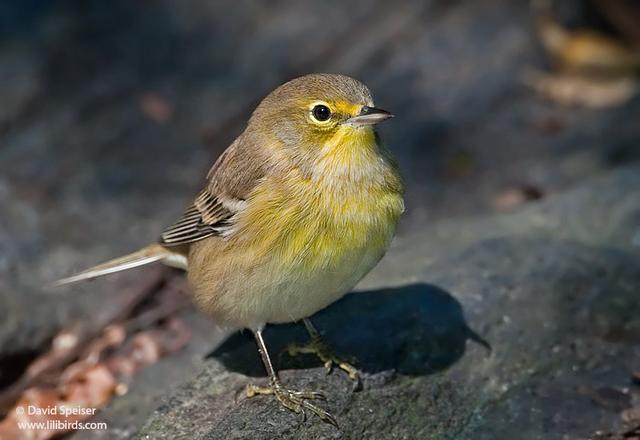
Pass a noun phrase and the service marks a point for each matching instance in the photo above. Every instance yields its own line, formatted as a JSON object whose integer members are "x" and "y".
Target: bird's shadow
{"x": 415, "y": 330}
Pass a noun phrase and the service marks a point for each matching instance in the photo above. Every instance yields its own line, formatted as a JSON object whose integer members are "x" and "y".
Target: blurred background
{"x": 111, "y": 113}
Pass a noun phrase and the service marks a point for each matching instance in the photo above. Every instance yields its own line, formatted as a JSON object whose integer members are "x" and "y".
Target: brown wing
{"x": 206, "y": 217}
{"x": 231, "y": 179}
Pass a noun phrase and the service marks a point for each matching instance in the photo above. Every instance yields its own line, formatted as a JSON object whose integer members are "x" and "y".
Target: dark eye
{"x": 321, "y": 112}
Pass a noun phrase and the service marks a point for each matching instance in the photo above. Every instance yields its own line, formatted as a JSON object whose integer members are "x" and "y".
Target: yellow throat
{"x": 351, "y": 201}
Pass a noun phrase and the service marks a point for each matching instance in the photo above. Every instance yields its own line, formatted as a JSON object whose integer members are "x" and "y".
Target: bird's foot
{"x": 296, "y": 401}
{"x": 321, "y": 349}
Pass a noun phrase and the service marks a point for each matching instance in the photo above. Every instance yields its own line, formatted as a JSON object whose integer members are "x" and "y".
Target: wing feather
{"x": 230, "y": 181}
{"x": 201, "y": 220}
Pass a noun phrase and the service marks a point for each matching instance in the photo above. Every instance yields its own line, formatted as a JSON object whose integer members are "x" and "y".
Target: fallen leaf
{"x": 516, "y": 196}
{"x": 93, "y": 388}
{"x": 573, "y": 90}
{"x": 631, "y": 415}
{"x": 156, "y": 107}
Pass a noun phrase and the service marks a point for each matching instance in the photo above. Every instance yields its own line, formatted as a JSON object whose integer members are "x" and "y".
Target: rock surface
{"x": 113, "y": 111}
{"x": 558, "y": 303}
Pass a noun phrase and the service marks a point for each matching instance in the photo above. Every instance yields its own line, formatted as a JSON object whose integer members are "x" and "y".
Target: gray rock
{"x": 558, "y": 303}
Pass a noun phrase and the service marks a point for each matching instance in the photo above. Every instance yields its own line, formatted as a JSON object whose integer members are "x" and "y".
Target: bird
{"x": 294, "y": 213}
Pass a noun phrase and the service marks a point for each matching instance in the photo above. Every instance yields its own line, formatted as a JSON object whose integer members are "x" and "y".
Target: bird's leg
{"x": 318, "y": 346}
{"x": 296, "y": 401}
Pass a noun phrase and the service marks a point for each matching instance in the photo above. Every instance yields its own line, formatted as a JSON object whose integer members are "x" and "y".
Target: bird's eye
{"x": 321, "y": 112}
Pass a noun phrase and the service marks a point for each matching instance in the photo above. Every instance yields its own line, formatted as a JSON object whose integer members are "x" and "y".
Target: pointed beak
{"x": 369, "y": 116}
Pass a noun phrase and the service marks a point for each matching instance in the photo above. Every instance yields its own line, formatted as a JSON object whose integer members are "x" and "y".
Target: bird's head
{"x": 317, "y": 115}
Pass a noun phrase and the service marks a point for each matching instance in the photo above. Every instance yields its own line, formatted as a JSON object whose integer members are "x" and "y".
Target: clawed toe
{"x": 319, "y": 347}
{"x": 296, "y": 401}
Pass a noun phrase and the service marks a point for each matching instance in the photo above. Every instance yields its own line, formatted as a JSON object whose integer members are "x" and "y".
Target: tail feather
{"x": 146, "y": 255}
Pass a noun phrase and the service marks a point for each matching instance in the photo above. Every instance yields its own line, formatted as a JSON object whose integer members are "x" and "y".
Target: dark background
{"x": 111, "y": 113}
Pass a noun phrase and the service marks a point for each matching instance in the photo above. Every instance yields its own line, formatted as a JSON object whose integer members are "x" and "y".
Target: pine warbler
{"x": 294, "y": 213}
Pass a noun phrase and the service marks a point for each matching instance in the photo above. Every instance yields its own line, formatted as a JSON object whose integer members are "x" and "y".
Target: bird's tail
{"x": 146, "y": 255}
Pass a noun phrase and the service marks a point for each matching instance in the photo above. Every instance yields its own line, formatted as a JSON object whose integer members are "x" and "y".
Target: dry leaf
{"x": 156, "y": 108}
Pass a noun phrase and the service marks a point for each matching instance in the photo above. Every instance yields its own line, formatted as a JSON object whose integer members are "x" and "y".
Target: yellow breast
{"x": 302, "y": 240}
{"x": 350, "y": 204}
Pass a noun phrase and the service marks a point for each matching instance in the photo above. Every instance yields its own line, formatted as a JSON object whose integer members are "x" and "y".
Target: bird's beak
{"x": 369, "y": 116}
